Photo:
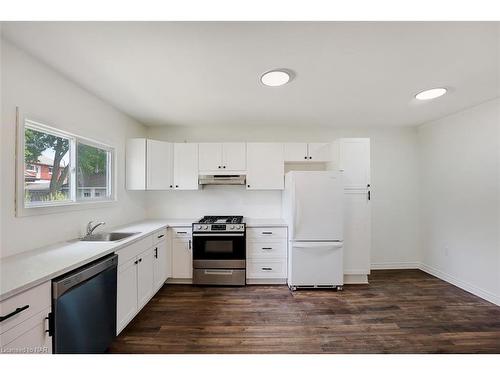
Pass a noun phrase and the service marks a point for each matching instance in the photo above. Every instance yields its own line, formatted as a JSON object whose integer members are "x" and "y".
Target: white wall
{"x": 50, "y": 98}
{"x": 395, "y": 236}
{"x": 460, "y": 197}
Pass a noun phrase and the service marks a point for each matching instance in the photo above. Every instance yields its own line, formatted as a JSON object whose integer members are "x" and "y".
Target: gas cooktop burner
{"x": 221, "y": 220}
{"x": 220, "y": 224}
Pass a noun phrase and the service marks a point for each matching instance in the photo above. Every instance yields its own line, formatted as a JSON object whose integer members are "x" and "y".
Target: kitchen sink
{"x": 108, "y": 237}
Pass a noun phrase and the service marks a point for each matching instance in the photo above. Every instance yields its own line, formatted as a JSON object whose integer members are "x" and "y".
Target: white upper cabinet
{"x": 221, "y": 157}
{"x": 301, "y": 152}
{"x": 210, "y": 156}
{"x": 186, "y": 166}
{"x": 135, "y": 164}
{"x": 160, "y": 165}
{"x": 234, "y": 156}
{"x": 265, "y": 166}
{"x": 319, "y": 152}
{"x": 295, "y": 152}
{"x": 352, "y": 155}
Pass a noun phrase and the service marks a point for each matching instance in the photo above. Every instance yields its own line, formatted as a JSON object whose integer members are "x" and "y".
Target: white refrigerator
{"x": 312, "y": 207}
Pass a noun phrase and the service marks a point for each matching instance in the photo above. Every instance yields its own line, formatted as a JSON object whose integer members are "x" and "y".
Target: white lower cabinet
{"x": 182, "y": 258}
{"x": 266, "y": 255}
{"x": 142, "y": 270}
{"x": 145, "y": 281}
{"x": 25, "y": 324}
{"x": 161, "y": 264}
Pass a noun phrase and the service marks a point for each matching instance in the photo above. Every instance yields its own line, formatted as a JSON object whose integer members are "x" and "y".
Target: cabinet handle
{"x": 176, "y": 186}
{"x": 140, "y": 260}
{"x": 50, "y": 324}
{"x": 224, "y": 166}
{"x": 305, "y": 157}
{"x": 218, "y": 167}
{"x": 181, "y": 232}
{"x": 369, "y": 192}
{"x": 136, "y": 262}
{"x": 189, "y": 245}
{"x": 15, "y": 312}
{"x": 156, "y": 253}
{"x": 171, "y": 186}
{"x": 161, "y": 235}
{"x": 310, "y": 157}
{"x": 267, "y": 248}
{"x": 267, "y": 269}
{"x": 267, "y": 232}
{"x": 248, "y": 185}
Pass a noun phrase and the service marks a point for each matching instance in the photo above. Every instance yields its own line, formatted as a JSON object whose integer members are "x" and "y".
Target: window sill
{"x": 63, "y": 207}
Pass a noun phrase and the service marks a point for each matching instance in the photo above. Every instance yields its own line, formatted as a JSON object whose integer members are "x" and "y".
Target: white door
{"x": 317, "y": 201}
{"x": 319, "y": 152}
{"x": 145, "y": 282}
{"x": 160, "y": 264}
{"x": 126, "y": 299}
{"x": 357, "y": 233}
{"x": 315, "y": 264}
{"x": 210, "y": 157}
{"x": 265, "y": 166}
{"x": 160, "y": 165}
{"x": 182, "y": 259}
{"x": 234, "y": 156}
{"x": 354, "y": 160}
{"x": 135, "y": 164}
{"x": 186, "y": 166}
{"x": 295, "y": 152}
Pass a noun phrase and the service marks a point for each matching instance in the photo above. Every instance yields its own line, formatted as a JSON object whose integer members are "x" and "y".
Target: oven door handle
{"x": 218, "y": 234}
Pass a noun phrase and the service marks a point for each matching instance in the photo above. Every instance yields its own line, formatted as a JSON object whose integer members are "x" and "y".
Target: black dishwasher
{"x": 84, "y": 308}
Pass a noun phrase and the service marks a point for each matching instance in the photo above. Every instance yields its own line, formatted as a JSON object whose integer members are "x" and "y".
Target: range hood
{"x": 219, "y": 179}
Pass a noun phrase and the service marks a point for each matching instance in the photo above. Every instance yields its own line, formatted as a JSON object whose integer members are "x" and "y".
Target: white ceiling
{"x": 207, "y": 73}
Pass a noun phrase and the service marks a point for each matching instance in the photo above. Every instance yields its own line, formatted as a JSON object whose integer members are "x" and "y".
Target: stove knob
{"x": 232, "y": 226}
{"x": 205, "y": 227}
{"x": 199, "y": 227}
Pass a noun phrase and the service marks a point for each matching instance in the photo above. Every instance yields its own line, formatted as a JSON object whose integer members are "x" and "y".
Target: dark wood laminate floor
{"x": 404, "y": 311}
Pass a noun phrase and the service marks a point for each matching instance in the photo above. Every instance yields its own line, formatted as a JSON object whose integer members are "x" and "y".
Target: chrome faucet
{"x": 91, "y": 228}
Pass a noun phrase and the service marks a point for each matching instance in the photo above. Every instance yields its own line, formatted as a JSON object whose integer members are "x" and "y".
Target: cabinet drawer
{"x": 265, "y": 234}
{"x": 134, "y": 249}
{"x": 37, "y": 299}
{"x": 29, "y": 337}
{"x": 266, "y": 269}
{"x": 266, "y": 250}
{"x": 159, "y": 236}
{"x": 182, "y": 232}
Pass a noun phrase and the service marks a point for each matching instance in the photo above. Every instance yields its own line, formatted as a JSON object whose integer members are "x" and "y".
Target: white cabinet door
{"x": 182, "y": 259}
{"x": 354, "y": 158}
{"x": 126, "y": 299}
{"x": 210, "y": 157}
{"x": 295, "y": 152}
{"x": 234, "y": 156}
{"x": 135, "y": 164}
{"x": 319, "y": 152}
{"x": 160, "y": 165}
{"x": 145, "y": 282}
{"x": 186, "y": 166}
{"x": 160, "y": 264}
{"x": 357, "y": 233}
{"x": 265, "y": 166}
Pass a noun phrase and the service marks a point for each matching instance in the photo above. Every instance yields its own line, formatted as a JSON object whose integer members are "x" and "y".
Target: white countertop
{"x": 30, "y": 268}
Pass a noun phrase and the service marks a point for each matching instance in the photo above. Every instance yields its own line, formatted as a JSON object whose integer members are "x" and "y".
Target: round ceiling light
{"x": 276, "y": 77}
{"x": 431, "y": 94}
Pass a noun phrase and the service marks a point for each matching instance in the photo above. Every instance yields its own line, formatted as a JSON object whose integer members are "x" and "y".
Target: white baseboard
{"x": 490, "y": 297}
{"x": 355, "y": 279}
{"x": 266, "y": 281}
{"x": 395, "y": 265}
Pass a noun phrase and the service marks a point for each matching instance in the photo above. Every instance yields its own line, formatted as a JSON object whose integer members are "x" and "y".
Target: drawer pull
{"x": 267, "y": 269}
{"x": 181, "y": 232}
{"x": 221, "y": 272}
{"x": 160, "y": 236}
{"x": 15, "y": 312}
{"x": 267, "y": 248}
{"x": 156, "y": 252}
{"x": 267, "y": 232}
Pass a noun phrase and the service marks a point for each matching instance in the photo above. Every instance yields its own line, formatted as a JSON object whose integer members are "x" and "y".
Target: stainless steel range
{"x": 219, "y": 251}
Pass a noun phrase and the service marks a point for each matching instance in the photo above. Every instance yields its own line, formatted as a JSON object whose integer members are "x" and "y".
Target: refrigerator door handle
{"x": 309, "y": 245}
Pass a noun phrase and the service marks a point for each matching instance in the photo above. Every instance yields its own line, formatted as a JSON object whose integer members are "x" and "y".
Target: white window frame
{"x": 73, "y": 203}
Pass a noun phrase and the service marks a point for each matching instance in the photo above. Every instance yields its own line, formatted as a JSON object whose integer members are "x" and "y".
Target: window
{"x": 62, "y": 168}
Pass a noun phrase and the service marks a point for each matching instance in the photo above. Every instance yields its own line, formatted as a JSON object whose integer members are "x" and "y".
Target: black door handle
{"x": 15, "y": 312}
{"x": 156, "y": 253}
{"x": 50, "y": 329}
{"x": 161, "y": 235}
